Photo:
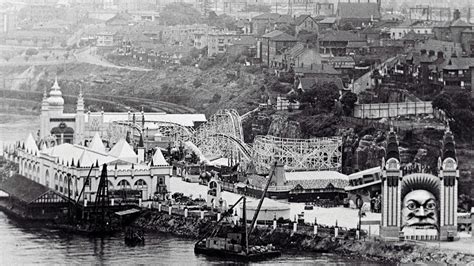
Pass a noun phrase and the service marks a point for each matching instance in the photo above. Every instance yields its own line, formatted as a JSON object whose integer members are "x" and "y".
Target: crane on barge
{"x": 234, "y": 245}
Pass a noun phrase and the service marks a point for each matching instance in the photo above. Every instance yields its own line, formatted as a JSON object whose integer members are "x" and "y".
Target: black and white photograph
{"x": 236, "y": 132}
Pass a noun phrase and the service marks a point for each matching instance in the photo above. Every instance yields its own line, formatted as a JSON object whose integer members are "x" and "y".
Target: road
{"x": 84, "y": 55}
{"x": 90, "y": 56}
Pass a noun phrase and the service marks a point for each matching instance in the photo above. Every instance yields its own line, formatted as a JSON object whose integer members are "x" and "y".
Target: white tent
{"x": 159, "y": 159}
{"x": 30, "y": 144}
{"x": 97, "y": 144}
{"x": 124, "y": 151}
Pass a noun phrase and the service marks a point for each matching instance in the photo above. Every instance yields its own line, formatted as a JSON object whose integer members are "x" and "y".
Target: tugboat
{"x": 236, "y": 244}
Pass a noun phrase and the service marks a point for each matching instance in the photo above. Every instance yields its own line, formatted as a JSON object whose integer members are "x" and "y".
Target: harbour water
{"x": 22, "y": 244}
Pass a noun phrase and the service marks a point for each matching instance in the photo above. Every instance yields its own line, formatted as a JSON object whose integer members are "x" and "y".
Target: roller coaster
{"x": 222, "y": 136}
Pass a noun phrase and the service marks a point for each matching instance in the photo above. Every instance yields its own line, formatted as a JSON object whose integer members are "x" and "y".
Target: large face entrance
{"x": 63, "y": 133}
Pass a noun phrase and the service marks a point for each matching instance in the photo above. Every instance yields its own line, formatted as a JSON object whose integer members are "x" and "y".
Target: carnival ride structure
{"x": 222, "y": 136}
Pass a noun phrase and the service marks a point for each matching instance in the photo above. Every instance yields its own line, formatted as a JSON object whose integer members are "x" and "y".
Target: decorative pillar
{"x": 391, "y": 190}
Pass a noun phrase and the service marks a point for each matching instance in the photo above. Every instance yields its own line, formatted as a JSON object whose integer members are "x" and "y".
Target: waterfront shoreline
{"x": 370, "y": 250}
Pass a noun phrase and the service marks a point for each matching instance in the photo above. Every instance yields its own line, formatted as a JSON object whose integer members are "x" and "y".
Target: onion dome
{"x": 55, "y": 95}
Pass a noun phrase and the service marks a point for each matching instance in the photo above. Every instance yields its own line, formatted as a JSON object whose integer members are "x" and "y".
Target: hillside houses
{"x": 274, "y": 44}
{"x": 341, "y": 43}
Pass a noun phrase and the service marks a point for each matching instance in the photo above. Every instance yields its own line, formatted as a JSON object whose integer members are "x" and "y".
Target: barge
{"x": 235, "y": 244}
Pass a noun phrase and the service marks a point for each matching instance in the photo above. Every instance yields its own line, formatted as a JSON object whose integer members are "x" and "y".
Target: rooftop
{"x": 334, "y": 36}
{"x": 23, "y": 188}
{"x": 358, "y": 10}
{"x": 267, "y": 16}
{"x": 300, "y": 19}
{"x": 328, "y": 20}
{"x": 456, "y": 63}
{"x": 307, "y": 83}
{"x": 277, "y": 35}
{"x": 317, "y": 179}
{"x": 369, "y": 171}
{"x": 317, "y": 69}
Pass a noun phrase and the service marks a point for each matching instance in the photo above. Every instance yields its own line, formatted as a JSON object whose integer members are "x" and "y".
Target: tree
{"x": 66, "y": 56}
{"x": 443, "y": 102}
{"x": 45, "y": 57}
{"x": 323, "y": 95}
{"x": 31, "y": 51}
{"x": 27, "y": 57}
{"x": 180, "y": 14}
{"x": 63, "y": 44}
{"x": 186, "y": 61}
{"x": 288, "y": 77}
{"x": 347, "y": 26}
{"x": 223, "y": 20}
{"x": 348, "y": 101}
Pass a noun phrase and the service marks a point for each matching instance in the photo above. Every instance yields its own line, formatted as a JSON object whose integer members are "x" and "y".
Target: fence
{"x": 398, "y": 126}
{"x": 284, "y": 104}
{"x": 386, "y": 110}
{"x": 193, "y": 211}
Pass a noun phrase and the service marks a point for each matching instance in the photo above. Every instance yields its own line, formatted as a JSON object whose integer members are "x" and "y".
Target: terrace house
{"x": 273, "y": 44}
{"x": 341, "y": 43}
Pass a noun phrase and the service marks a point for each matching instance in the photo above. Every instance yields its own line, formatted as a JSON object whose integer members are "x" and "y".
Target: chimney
{"x": 440, "y": 54}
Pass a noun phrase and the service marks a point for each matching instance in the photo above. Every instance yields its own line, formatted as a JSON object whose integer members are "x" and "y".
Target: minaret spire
{"x": 56, "y": 84}
{"x": 80, "y": 102}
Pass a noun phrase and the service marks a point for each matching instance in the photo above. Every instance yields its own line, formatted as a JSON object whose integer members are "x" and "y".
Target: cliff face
{"x": 369, "y": 153}
{"x": 284, "y": 128}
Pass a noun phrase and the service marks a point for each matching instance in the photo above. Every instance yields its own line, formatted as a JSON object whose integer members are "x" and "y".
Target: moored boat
{"x": 235, "y": 245}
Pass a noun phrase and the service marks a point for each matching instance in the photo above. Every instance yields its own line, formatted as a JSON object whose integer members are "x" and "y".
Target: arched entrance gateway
{"x": 63, "y": 133}
{"x": 419, "y": 205}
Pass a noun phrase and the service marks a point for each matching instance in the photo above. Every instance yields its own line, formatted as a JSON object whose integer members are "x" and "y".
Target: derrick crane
{"x": 102, "y": 197}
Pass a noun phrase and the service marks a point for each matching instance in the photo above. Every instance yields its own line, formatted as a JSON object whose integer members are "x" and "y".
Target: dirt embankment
{"x": 371, "y": 250}
{"x": 204, "y": 90}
